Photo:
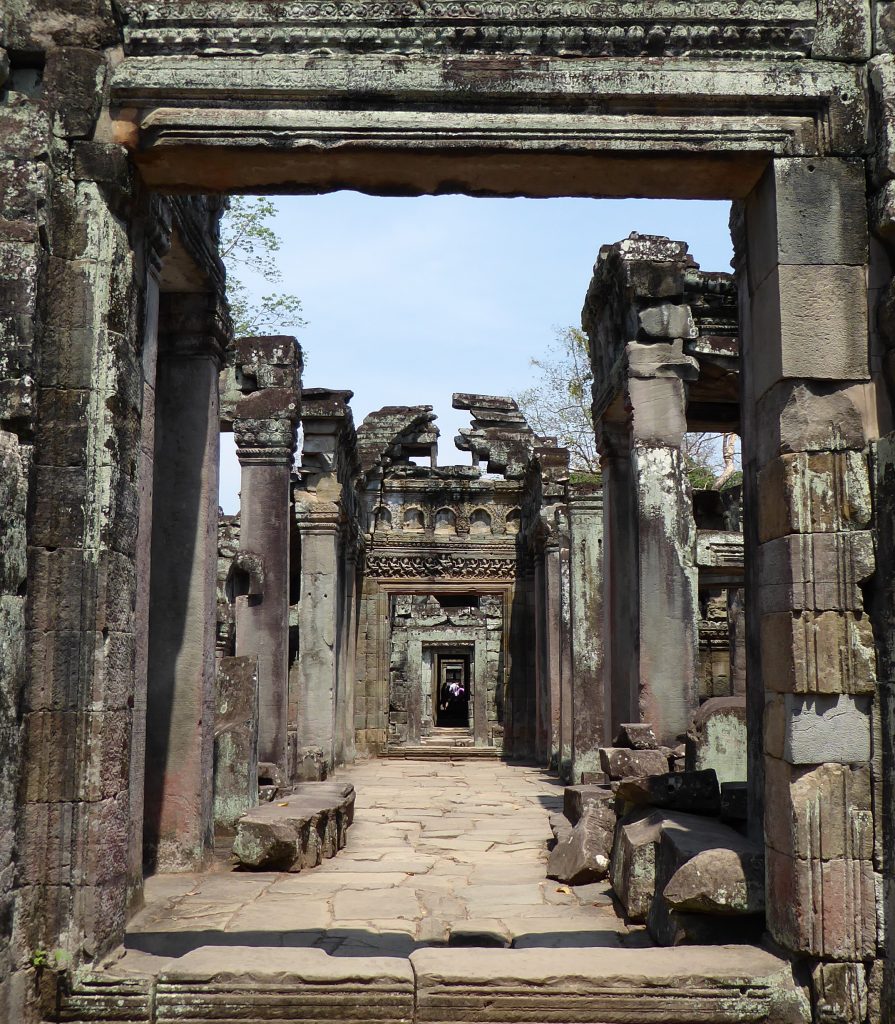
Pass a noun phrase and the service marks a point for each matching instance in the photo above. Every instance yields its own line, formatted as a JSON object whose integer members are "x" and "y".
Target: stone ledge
{"x": 717, "y": 984}
{"x": 723, "y": 984}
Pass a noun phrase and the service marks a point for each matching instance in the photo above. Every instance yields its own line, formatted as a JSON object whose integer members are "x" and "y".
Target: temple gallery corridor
{"x": 439, "y": 852}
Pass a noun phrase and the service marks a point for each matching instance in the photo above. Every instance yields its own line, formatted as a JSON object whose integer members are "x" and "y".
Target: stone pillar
{"x": 180, "y": 701}
{"x": 564, "y": 644}
{"x": 666, "y": 548}
{"x": 542, "y": 680}
{"x": 805, "y": 355}
{"x": 348, "y": 666}
{"x": 622, "y": 606}
{"x": 318, "y": 628}
{"x": 264, "y": 427}
{"x": 589, "y": 705}
{"x": 552, "y": 633}
{"x": 159, "y": 243}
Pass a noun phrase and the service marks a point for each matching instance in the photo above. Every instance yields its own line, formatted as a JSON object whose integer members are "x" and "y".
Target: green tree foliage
{"x": 249, "y": 246}
{"x": 559, "y": 404}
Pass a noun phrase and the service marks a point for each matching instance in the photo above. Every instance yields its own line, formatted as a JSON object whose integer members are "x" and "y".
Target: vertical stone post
{"x": 180, "y": 701}
{"x": 542, "y": 680}
{"x": 317, "y": 629}
{"x": 552, "y": 641}
{"x": 667, "y": 577}
{"x": 803, "y": 294}
{"x": 622, "y": 605}
{"x": 325, "y": 476}
{"x": 589, "y": 705}
{"x": 564, "y": 643}
{"x": 264, "y": 425}
{"x": 157, "y": 247}
{"x": 346, "y": 750}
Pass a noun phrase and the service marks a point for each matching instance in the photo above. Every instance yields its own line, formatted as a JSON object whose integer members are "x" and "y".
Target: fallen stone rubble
{"x": 674, "y": 865}
{"x": 297, "y": 832}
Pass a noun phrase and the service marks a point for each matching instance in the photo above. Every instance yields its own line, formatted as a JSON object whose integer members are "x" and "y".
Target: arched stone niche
{"x": 480, "y": 522}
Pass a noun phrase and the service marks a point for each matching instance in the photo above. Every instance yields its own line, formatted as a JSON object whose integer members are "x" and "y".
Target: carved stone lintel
{"x": 440, "y": 565}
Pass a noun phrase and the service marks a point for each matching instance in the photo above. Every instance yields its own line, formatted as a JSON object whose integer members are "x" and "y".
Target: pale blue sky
{"x": 409, "y": 300}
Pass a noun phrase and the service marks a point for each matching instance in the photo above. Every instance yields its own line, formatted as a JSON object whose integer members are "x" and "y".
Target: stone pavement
{"x": 439, "y": 852}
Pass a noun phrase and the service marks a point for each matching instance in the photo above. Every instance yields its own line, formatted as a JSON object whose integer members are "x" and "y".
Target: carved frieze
{"x": 547, "y": 27}
{"x": 441, "y": 564}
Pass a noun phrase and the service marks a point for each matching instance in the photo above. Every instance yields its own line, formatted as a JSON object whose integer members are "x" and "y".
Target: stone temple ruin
{"x": 709, "y": 672}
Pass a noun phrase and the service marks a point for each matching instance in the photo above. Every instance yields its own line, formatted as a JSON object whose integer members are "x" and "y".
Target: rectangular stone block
{"x": 824, "y": 813}
{"x": 815, "y": 571}
{"x": 621, "y": 763}
{"x": 818, "y": 652}
{"x": 821, "y": 492}
{"x": 822, "y": 908}
{"x": 824, "y": 729}
{"x": 807, "y": 211}
{"x": 843, "y": 30}
{"x": 812, "y": 322}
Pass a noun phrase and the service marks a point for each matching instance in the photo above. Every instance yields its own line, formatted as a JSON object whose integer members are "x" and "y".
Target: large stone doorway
{"x": 785, "y": 110}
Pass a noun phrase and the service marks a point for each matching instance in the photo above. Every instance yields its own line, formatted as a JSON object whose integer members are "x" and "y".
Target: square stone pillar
{"x": 564, "y": 646}
{"x": 264, "y": 428}
{"x": 590, "y": 709}
{"x": 318, "y": 621}
{"x": 181, "y": 666}
{"x": 802, "y": 256}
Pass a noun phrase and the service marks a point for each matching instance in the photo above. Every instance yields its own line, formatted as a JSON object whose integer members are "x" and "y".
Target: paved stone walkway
{"x": 438, "y": 852}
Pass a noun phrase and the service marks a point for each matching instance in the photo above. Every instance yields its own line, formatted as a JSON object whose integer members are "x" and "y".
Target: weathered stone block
{"x": 694, "y": 792}
{"x": 825, "y": 652}
{"x": 820, "y": 492}
{"x": 667, "y": 320}
{"x": 815, "y": 321}
{"x": 806, "y": 416}
{"x": 298, "y": 832}
{"x": 822, "y": 908}
{"x": 637, "y": 736}
{"x": 578, "y": 799}
{"x": 633, "y": 866}
{"x": 73, "y": 81}
{"x": 843, "y": 30}
{"x": 584, "y": 856}
{"x": 235, "y": 740}
{"x": 839, "y": 993}
{"x": 815, "y": 571}
{"x": 819, "y": 729}
{"x": 622, "y": 763}
{"x": 658, "y": 410}
{"x": 807, "y": 212}
{"x": 823, "y": 812}
{"x": 717, "y": 739}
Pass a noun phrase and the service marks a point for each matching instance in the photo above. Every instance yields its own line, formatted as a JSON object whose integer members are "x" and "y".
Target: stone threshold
{"x": 212, "y": 984}
{"x": 442, "y": 753}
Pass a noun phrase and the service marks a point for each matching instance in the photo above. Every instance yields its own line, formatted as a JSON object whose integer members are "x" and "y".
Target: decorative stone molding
{"x": 693, "y": 28}
{"x": 443, "y": 564}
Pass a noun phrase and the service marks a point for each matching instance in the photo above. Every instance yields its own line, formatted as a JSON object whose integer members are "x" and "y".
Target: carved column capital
{"x": 318, "y": 516}
{"x": 264, "y": 425}
{"x": 193, "y": 325}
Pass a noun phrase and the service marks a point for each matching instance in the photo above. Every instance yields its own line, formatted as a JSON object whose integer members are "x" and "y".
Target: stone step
{"x": 720, "y": 985}
{"x": 438, "y": 752}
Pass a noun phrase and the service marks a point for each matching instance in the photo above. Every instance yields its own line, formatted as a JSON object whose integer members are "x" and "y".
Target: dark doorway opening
{"x": 453, "y": 680}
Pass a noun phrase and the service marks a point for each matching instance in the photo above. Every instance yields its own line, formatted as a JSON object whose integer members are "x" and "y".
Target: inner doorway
{"x": 452, "y": 694}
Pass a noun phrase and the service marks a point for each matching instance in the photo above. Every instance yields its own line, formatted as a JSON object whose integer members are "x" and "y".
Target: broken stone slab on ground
{"x": 298, "y": 832}
{"x": 690, "y": 792}
{"x": 633, "y": 865}
{"x": 637, "y": 736}
{"x": 584, "y": 856}
{"x": 706, "y": 874}
{"x": 624, "y": 763}
{"x": 577, "y": 799}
